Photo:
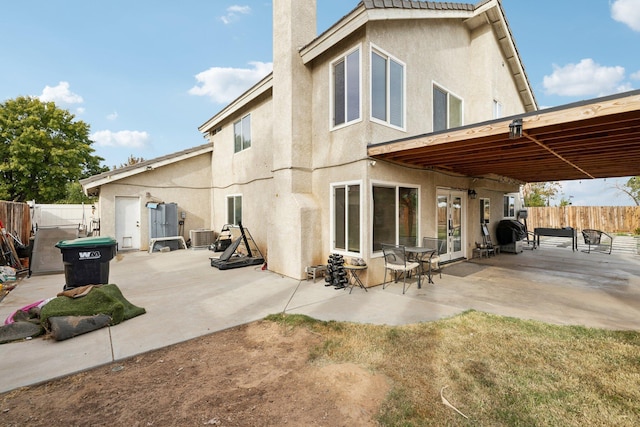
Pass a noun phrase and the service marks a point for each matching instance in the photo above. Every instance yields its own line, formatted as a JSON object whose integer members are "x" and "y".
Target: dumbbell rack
{"x": 336, "y": 275}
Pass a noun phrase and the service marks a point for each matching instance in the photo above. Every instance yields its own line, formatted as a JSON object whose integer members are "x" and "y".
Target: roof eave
{"x": 339, "y": 31}
{"x": 497, "y": 19}
{"x": 247, "y": 97}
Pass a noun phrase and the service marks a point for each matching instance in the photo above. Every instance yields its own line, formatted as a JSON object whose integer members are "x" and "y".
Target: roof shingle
{"x": 416, "y": 4}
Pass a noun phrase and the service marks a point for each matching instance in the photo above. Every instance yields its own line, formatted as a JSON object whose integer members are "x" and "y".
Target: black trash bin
{"x": 86, "y": 260}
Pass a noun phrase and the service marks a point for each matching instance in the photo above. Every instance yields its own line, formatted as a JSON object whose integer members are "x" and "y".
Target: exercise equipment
{"x": 242, "y": 252}
{"x": 336, "y": 275}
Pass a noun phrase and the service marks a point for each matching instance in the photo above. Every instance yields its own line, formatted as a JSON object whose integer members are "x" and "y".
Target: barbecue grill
{"x": 510, "y": 234}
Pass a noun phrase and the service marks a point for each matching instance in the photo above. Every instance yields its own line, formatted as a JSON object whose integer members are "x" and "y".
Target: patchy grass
{"x": 497, "y": 371}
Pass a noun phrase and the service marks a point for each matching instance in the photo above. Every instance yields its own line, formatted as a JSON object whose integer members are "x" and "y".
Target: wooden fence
{"x": 613, "y": 219}
{"x": 16, "y": 219}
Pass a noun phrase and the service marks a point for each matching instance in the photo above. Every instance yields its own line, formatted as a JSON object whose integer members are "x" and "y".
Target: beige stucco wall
{"x": 186, "y": 183}
{"x": 247, "y": 173}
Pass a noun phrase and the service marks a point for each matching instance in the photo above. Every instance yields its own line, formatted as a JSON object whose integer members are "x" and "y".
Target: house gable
{"x": 92, "y": 184}
{"x": 473, "y": 16}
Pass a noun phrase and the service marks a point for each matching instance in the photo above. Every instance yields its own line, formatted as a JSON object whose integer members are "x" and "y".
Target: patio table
{"x": 419, "y": 253}
{"x": 354, "y": 272}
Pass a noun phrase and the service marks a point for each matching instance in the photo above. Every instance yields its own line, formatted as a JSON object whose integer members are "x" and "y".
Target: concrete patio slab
{"x": 185, "y": 298}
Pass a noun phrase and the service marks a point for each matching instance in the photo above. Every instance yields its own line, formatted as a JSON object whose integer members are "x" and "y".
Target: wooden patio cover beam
{"x": 593, "y": 139}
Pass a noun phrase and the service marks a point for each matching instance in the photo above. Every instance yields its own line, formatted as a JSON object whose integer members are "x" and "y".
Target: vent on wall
{"x": 201, "y": 238}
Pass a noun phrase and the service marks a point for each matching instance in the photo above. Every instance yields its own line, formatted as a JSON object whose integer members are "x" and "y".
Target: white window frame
{"x": 332, "y": 124}
{"x": 435, "y": 85}
{"x": 497, "y": 109}
{"x": 242, "y": 134}
{"x": 388, "y": 58}
{"x": 485, "y": 205}
{"x": 509, "y": 205}
{"x": 234, "y": 198}
{"x": 332, "y": 226}
{"x": 397, "y": 186}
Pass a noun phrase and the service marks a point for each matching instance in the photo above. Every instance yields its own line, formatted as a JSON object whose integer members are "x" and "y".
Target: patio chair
{"x": 594, "y": 238}
{"x": 395, "y": 260}
{"x": 438, "y": 246}
{"x": 486, "y": 240}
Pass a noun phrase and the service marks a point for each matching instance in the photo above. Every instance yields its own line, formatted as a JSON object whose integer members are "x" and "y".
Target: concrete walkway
{"x": 185, "y": 298}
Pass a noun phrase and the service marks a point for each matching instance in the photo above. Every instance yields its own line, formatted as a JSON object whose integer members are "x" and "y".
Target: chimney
{"x": 293, "y": 207}
{"x": 294, "y": 26}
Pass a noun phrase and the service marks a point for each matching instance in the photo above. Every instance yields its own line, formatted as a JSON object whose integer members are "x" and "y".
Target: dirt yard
{"x": 253, "y": 375}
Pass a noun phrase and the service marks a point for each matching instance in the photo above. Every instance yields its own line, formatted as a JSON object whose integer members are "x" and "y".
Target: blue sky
{"x": 145, "y": 74}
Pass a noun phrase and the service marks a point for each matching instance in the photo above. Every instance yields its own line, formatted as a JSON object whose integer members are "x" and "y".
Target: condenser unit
{"x": 201, "y": 238}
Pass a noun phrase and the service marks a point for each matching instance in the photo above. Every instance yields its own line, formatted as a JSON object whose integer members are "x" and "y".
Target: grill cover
{"x": 510, "y": 231}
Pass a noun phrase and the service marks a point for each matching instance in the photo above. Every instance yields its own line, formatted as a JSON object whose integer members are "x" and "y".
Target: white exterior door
{"x": 451, "y": 222}
{"x": 128, "y": 223}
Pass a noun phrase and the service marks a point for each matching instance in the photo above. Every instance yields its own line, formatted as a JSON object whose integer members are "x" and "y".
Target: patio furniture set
{"x": 403, "y": 261}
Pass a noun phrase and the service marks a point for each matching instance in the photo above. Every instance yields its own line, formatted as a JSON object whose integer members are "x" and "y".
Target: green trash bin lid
{"x": 87, "y": 242}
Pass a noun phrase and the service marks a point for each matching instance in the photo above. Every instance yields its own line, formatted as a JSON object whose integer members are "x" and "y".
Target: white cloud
{"x": 112, "y": 116}
{"x": 124, "y": 138}
{"x": 223, "y": 85}
{"x": 587, "y": 78}
{"x": 233, "y": 12}
{"x": 60, "y": 94}
{"x": 594, "y": 192}
{"x": 627, "y": 12}
{"x": 239, "y": 9}
{"x": 625, "y": 87}
{"x": 80, "y": 110}
{"x": 635, "y": 76}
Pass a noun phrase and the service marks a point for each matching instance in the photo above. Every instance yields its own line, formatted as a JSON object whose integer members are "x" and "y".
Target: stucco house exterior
{"x": 294, "y": 146}
{"x": 289, "y": 157}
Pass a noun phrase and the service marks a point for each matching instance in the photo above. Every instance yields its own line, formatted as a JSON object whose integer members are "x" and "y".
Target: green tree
{"x": 75, "y": 195}
{"x": 565, "y": 202}
{"x": 42, "y": 149}
{"x": 632, "y": 189}
{"x": 540, "y": 193}
{"x": 132, "y": 160}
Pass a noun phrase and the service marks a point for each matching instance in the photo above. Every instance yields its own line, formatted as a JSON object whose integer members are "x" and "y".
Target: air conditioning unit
{"x": 201, "y": 238}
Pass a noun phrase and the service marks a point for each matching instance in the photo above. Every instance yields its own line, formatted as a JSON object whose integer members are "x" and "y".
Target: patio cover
{"x": 598, "y": 138}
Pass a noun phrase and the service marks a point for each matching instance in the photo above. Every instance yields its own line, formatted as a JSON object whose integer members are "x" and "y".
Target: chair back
{"x": 486, "y": 236}
{"x": 438, "y": 245}
{"x": 394, "y": 254}
{"x": 592, "y": 237}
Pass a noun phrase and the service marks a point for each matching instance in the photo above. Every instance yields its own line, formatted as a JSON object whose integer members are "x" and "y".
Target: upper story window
{"x": 497, "y": 109}
{"x": 345, "y": 82}
{"x": 447, "y": 110}
{"x": 242, "y": 134}
{"x": 387, "y": 89}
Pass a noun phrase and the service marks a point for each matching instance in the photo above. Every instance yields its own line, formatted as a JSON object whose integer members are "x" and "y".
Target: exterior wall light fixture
{"x": 472, "y": 194}
{"x": 515, "y": 129}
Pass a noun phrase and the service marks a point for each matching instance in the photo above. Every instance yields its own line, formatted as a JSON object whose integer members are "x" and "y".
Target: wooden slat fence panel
{"x": 613, "y": 219}
{"x": 16, "y": 219}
